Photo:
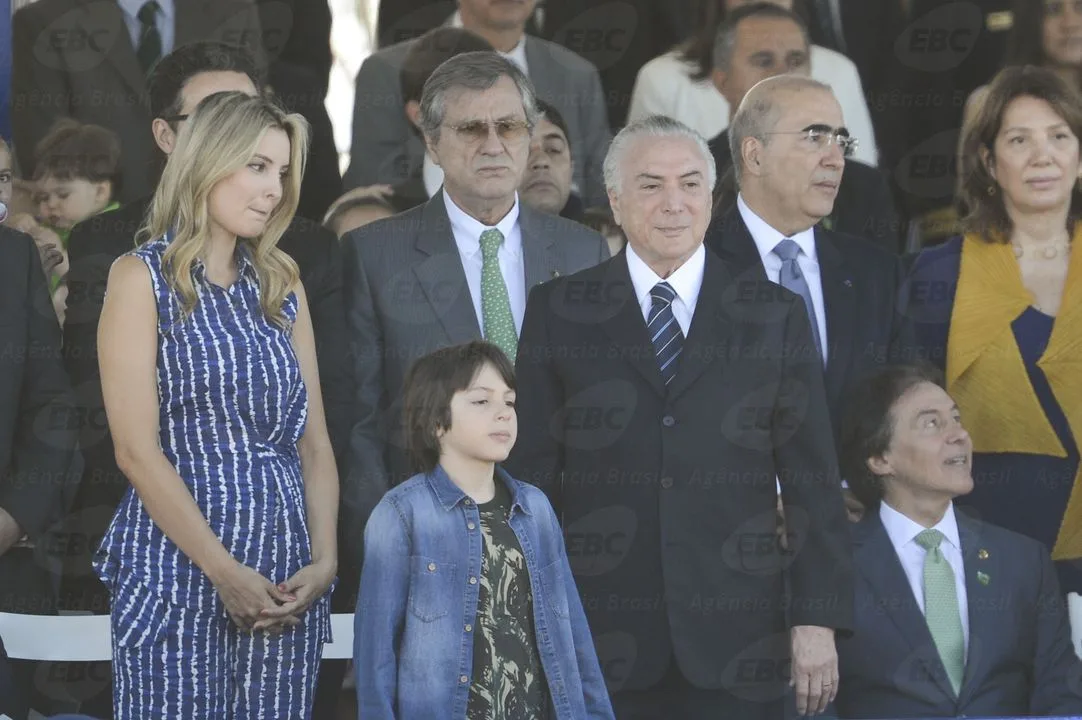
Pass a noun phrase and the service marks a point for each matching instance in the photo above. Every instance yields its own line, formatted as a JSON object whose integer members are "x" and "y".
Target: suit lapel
{"x": 107, "y": 20}
{"x": 537, "y": 256}
{"x": 626, "y": 327}
{"x": 731, "y": 240}
{"x": 985, "y": 599}
{"x": 840, "y": 303}
{"x": 878, "y": 562}
{"x": 441, "y": 274}
{"x": 709, "y": 329}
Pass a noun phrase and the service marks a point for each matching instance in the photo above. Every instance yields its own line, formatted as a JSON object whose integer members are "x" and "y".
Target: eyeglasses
{"x": 477, "y": 131}
{"x": 821, "y": 137}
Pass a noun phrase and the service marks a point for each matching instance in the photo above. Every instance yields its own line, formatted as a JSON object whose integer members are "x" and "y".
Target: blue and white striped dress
{"x": 232, "y": 407}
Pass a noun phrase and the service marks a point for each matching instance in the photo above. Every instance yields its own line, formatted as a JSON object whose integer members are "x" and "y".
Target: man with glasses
{"x": 789, "y": 143}
{"x": 759, "y": 41}
{"x": 457, "y": 268}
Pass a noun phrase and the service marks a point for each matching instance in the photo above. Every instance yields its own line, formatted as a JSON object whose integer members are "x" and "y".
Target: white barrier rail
{"x": 85, "y": 638}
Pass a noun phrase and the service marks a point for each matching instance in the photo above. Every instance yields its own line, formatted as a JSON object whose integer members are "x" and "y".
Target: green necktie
{"x": 941, "y": 607}
{"x": 495, "y": 304}
{"x": 149, "y": 51}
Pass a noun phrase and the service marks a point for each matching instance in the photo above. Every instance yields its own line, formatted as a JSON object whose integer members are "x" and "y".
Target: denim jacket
{"x": 417, "y": 608}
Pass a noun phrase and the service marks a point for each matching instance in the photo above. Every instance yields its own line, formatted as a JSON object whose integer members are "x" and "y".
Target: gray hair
{"x": 471, "y": 71}
{"x": 725, "y": 38}
{"x": 660, "y": 126}
{"x": 758, "y": 113}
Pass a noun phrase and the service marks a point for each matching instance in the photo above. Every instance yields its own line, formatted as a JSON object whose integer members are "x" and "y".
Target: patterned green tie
{"x": 495, "y": 304}
{"x": 941, "y": 607}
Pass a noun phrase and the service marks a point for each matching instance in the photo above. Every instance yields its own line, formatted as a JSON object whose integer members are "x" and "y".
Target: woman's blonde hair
{"x": 219, "y": 138}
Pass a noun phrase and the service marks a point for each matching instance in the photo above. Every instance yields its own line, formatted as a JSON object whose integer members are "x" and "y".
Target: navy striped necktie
{"x": 665, "y": 332}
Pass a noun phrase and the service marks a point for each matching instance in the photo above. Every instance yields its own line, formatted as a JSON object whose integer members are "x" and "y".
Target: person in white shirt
{"x": 954, "y": 617}
{"x": 680, "y": 84}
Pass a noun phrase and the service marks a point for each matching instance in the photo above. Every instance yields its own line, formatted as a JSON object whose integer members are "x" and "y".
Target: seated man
{"x": 546, "y": 184}
{"x": 954, "y": 617}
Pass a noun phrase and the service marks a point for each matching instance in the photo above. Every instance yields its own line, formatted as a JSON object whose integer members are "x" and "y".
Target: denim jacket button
{"x": 470, "y": 526}
{"x": 467, "y": 501}
{"x": 432, "y": 567}
{"x": 463, "y": 679}
{"x": 469, "y": 628}
{"x": 473, "y": 581}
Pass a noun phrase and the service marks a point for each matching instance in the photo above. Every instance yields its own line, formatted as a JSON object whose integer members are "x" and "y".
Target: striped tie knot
{"x": 663, "y": 292}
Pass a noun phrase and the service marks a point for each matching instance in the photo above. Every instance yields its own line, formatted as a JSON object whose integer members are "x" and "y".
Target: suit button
{"x": 668, "y": 421}
{"x": 666, "y": 482}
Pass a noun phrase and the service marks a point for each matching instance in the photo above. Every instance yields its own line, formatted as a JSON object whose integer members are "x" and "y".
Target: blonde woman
{"x": 221, "y": 555}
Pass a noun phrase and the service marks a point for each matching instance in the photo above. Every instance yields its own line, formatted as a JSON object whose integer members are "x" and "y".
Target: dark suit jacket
{"x": 860, "y": 287}
{"x": 75, "y": 58}
{"x": 297, "y": 87}
{"x": 38, "y": 435}
{"x": 1020, "y": 660}
{"x": 619, "y": 38}
{"x": 926, "y": 302}
{"x": 92, "y": 248}
{"x": 298, "y": 32}
{"x": 668, "y": 495}
{"x": 406, "y": 296}
{"x": 864, "y": 206}
{"x": 386, "y": 149}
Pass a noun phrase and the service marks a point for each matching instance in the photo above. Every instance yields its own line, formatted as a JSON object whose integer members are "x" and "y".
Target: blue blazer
{"x": 1020, "y": 660}
{"x": 926, "y": 301}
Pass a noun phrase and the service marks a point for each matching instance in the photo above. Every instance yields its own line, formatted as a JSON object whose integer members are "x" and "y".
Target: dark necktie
{"x": 665, "y": 333}
{"x": 149, "y": 51}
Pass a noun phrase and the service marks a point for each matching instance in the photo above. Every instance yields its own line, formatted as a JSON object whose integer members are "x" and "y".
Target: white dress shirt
{"x": 164, "y": 19}
{"x": 517, "y": 54}
{"x": 686, "y": 282}
{"x": 766, "y": 239}
{"x": 903, "y": 531}
{"x": 467, "y": 231}
{"x": 664, "y": 87}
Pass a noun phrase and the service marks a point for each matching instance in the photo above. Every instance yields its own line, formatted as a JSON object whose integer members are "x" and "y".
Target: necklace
{"x": 1050, "y": 252}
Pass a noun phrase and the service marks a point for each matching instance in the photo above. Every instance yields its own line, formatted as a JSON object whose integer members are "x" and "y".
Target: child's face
{"x": 63, "y": 203}
{"x": 6, "y": 176}
{"x": 484, "y": 425}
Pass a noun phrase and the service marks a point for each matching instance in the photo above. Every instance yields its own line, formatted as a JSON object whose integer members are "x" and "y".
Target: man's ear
{"x": 880, "y": 465}
{"x": 614, "y": 206}
{"x": 164, "y": 136}
{"x": 751, "y": 153}
{"x": 413, "y": 113}
{"x": 718, "y": 77}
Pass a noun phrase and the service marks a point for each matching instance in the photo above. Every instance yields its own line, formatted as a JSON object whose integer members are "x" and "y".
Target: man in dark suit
{"x": 90, "y": 61}
{"x": 785, "y": 190}
{"x": 954, "y": 617}
{"x": 659, "y": 396}
{"x": 762, "y": 40}
{"x": 38, "y": 456}
{"x": 385, "y": 150}
{"x": 413, "y": 282}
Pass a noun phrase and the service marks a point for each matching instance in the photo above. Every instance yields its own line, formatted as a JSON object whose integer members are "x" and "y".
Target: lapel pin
{"x": 848, "y": 283}
{"x": 982, "y": 578}
{"x": 555, "y": 274}
{"x": 982, "y": 554}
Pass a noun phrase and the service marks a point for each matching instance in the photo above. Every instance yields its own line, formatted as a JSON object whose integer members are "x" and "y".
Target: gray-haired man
{"x": 658, "y": 398}
{"x": 457, "y": 268}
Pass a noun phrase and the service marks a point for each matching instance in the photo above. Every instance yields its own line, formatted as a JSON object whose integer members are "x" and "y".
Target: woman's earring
{"x": 991, "y": 190}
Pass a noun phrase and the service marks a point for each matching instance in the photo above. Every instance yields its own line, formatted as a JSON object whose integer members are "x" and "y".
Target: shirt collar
{"x": 467, "y": 229}
{"x": 432, "y": 176}
{"x": 767, "y": 238}
{"x": 903, "y": 530}
{"x": 517, "y": 55}
{"x": 686, "y": 281}
{"x": 450, "y": 495}
{"x": 132, "y": 7}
